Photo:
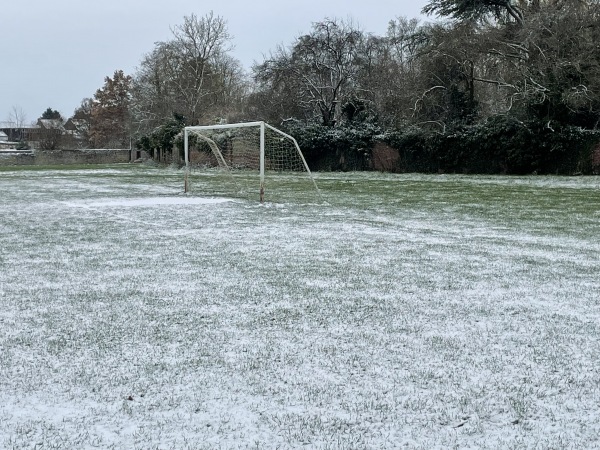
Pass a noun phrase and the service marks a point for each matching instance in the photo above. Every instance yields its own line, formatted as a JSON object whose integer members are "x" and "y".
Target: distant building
{"x": 78, "y": 128}
{"x": 47, "y": 133}
{"x": 15, "y": 133}
{"x": 51, "y": 124}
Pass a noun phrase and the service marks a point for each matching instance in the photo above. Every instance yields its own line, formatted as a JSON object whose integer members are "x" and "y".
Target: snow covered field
{"x": 410, "y": 311}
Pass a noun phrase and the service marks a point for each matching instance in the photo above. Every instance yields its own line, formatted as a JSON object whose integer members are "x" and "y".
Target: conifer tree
{"x": 475, "y": 9}
{"x": 51, "y": 114}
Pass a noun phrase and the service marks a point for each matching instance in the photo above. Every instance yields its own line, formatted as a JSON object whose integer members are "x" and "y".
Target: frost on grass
{"x": 424, "y": 311}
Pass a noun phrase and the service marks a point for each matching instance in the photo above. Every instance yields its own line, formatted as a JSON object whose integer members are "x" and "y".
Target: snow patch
{"x": 152, "y": 201}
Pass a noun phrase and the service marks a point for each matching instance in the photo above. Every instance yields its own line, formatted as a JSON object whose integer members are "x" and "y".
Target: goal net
{"x": 253, "y": 160}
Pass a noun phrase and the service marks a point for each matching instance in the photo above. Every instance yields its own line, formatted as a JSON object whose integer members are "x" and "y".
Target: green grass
{"x": 407, "y": 310}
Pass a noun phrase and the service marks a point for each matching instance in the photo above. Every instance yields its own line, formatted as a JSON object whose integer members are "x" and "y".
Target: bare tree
{"x": 320, "y": 70}
{"x": 448, "y": 61}
{"x": 17, "y": 120}
{"x": 153, "y": 96}
{"x": 198, "y": 46}
{"x": 191, "y": 74}
{"x": 390, "y": 70}
{"x": 17, "y": 117}
{"x": 548, "y": 67}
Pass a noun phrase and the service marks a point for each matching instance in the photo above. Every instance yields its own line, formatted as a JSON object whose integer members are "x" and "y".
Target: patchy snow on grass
{"x": 407, "y": 311}
{"x": 151, "y": 201}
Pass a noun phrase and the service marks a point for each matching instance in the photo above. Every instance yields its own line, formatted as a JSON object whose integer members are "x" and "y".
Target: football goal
{"x": 255, "y": 159}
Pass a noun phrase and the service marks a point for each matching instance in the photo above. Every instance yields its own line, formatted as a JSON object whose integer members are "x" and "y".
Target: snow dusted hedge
{"x": 502, "y": 145}
{"x": 342, "y": 148}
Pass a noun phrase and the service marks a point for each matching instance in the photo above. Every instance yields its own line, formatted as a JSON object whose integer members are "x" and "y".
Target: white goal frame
{"x": 196, "y": 131}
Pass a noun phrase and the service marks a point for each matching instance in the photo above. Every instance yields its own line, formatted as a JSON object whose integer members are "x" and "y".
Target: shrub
{"x": 334, "y": 148}
{"x": 502, "y": 144}
{"x": 416, "y": 147}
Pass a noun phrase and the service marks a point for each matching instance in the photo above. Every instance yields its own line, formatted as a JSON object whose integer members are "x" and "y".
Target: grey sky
{"x": 55, "y": 53}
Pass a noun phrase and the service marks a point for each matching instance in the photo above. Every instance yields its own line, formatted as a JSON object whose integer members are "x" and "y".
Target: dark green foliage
{"x": 355, "y": 110}
{"x": 417, "y": 149}
{"x": 462, "y": 108}
{"x": 144, "y": 143}
{"x": 51, "y": 114}
{"x": 504, "y": 144}
{"x": 474, "y": 9}
{"x": 164, "y": 136}
{"x": 340, "y": 148}
{"x": 501, "y": 145}
{"x": 22, "y": 145}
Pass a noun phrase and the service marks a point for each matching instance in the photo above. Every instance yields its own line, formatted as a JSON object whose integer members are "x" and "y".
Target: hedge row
{"x": 502, "y": 145}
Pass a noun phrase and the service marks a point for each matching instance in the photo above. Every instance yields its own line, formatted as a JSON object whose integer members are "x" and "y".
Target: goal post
{"x": 255, "y": 156}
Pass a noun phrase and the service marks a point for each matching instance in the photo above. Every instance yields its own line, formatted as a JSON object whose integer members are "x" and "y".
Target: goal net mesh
{"x": 227, "y": 161}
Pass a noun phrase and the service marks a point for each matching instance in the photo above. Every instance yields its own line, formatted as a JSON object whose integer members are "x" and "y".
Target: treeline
{"x": 498, "y": 87}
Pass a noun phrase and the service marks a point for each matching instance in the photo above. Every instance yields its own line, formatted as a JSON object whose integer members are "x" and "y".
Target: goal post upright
{"x": 262, "y": 162}
{"x": 186, "y": 147}
{"x": 186, "y": 154}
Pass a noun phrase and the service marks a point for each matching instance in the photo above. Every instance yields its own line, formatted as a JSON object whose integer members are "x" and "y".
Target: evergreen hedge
{"x": 501, "y": 145}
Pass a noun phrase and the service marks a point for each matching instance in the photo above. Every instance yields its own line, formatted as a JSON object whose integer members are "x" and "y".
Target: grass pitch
{"x": 408, "y": 311}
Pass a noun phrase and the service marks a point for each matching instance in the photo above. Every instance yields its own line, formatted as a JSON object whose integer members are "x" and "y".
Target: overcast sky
{"x": 56, "y": 53}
